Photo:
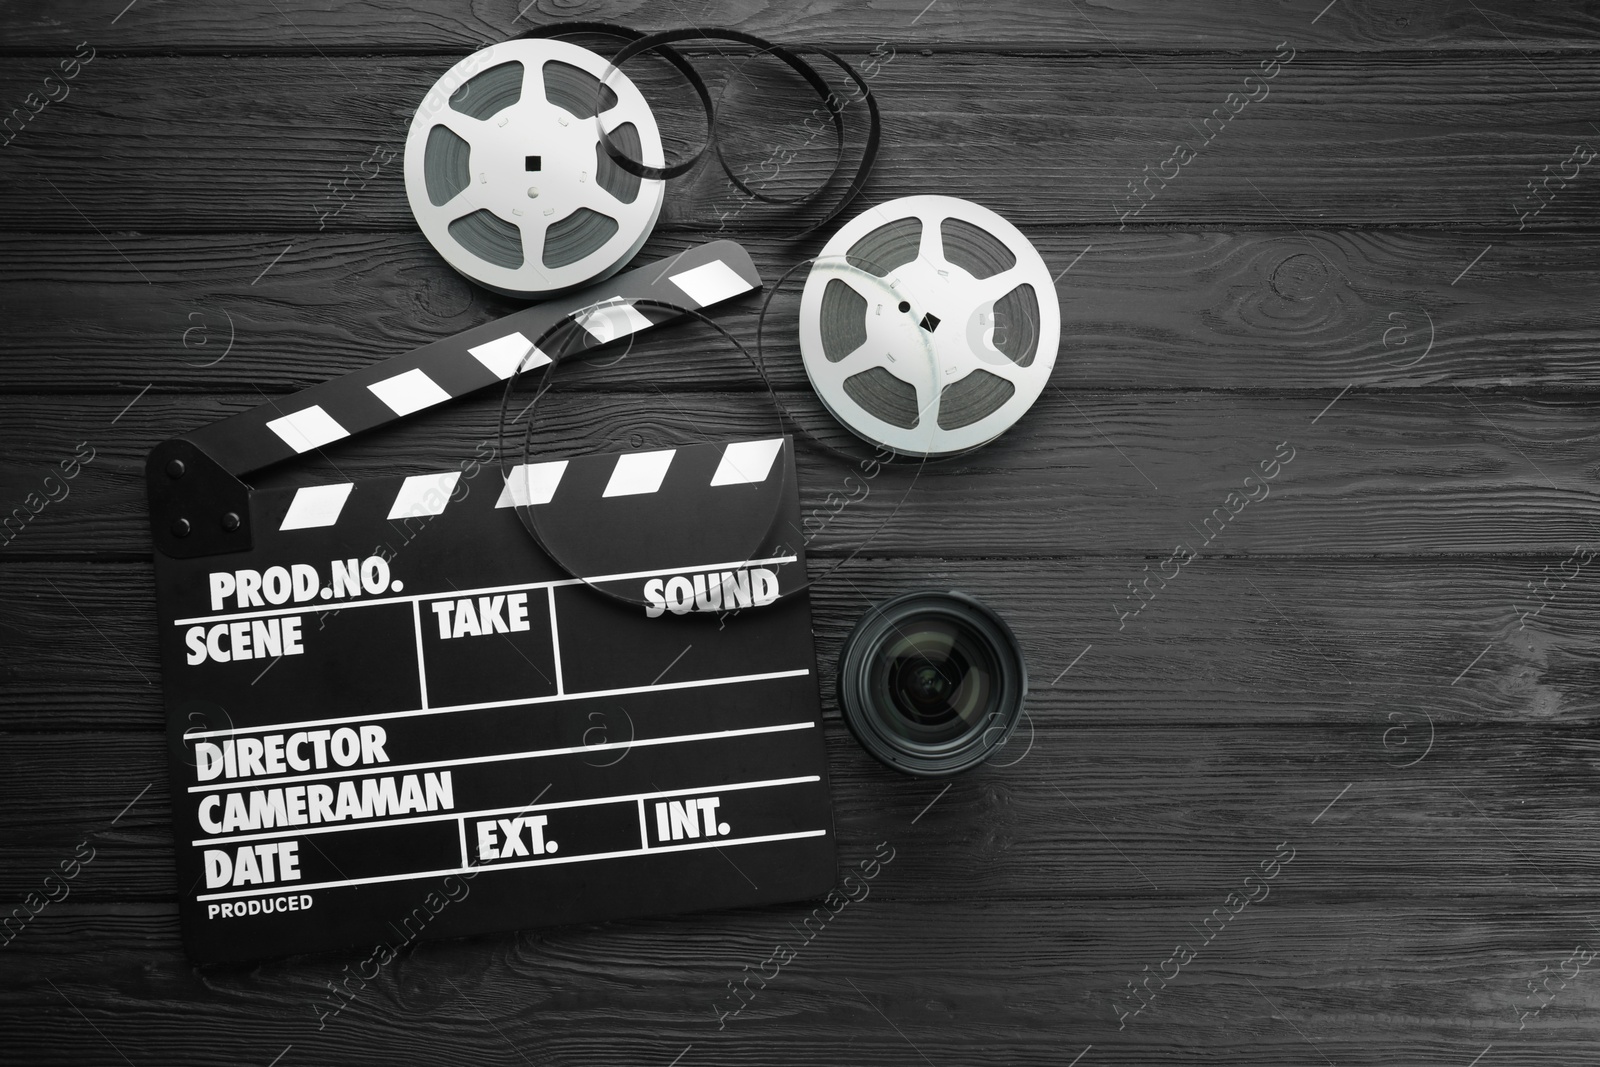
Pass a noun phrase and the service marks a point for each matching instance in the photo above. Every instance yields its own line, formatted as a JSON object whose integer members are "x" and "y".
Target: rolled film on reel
{"x": 929, "y": 325}
{"x": 507, "y": 175}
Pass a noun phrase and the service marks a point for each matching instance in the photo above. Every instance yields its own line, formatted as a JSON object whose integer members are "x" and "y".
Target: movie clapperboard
{"x": 392, "y": 716}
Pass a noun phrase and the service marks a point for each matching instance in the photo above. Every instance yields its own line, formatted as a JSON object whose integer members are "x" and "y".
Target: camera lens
{"x": 931, "y": 683}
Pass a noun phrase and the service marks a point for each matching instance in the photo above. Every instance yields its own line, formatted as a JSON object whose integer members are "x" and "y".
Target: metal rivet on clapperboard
{"x": 175, "y": 468}
{"x": 230, "y": 522}
{"x": 180, "y": 527}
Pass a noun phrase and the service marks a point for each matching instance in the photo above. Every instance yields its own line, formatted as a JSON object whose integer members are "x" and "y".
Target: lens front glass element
{"x": 933, "y": 680}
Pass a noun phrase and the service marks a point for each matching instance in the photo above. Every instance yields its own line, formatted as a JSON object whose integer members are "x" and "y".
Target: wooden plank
{"x": 1343, "y": 670}
{"x": 1083, "y": 473}
{"x": 299, "y": 25}
{"x": 1085, "y": 814}
{"x": 1259, "y": 311}
{"x": 1414, "y": 140}
{"x": 1394, "y": 648}
{"x": 1027, "y": 983}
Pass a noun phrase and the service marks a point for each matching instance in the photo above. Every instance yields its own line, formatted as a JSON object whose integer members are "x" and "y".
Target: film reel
{"x": 509, "y": 179}
{"x": 929, "y": 325}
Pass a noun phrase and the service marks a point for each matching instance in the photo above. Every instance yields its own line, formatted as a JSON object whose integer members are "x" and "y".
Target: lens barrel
{"x": 931, "y": 683}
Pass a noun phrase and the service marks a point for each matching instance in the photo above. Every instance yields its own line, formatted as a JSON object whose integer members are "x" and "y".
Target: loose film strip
{"x": 535, "y": 165}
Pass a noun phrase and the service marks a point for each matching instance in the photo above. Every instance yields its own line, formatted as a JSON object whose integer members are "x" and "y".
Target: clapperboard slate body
{"x": 391, "y": 716}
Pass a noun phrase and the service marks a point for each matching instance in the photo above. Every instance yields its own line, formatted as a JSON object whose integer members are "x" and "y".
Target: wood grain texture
{"x": 1266, "y": 311}
{"x": 1086, "y": 813}
{"x": 1060, "y": 147}
{"x": 1387, "y": 664}
{"x": 1497, "y": 25}
{"x": 1127, "y": 475}
{"x": 1372, "y": 984}
{"x": 1383, "y": 646}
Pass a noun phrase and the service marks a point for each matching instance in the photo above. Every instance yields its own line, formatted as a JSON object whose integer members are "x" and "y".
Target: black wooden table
{"x": 1323, "y": 795}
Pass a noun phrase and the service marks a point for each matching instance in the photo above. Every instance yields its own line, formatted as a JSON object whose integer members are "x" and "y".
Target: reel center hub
{"x": 563, "y": 149}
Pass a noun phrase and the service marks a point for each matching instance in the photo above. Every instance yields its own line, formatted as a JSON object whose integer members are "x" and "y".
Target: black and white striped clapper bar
{"x": 392, "y": 717}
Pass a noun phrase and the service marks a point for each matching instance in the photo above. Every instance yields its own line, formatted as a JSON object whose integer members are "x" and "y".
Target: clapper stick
{"x": 199, "y": 505}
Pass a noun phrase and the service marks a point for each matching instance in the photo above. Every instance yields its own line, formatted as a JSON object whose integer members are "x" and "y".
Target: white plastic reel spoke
{"x": 500, "y": 181}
